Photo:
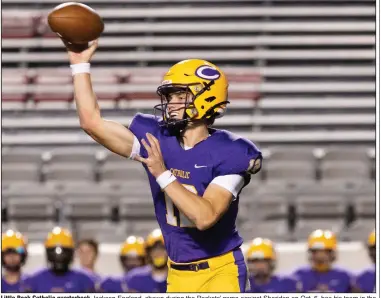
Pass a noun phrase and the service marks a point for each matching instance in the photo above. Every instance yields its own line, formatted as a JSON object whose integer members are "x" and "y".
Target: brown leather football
{"x": 75, "y": 22}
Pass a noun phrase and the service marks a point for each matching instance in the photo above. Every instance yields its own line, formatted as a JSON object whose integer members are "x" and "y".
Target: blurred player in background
{"x": 58, "y": 277}
{"x": 87, "y": 252}
{"x": 365, "y": 282}
{"x": 13, "y": 258}
{"x": 320, "y": 275}
{"x": 132, "y": 256}
{"x": 261, "y": 261}
{"x": 153, "y": 278}
{"x": 196, "y": 173}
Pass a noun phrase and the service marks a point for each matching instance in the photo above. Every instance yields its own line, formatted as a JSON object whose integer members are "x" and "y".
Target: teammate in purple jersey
{"x": 261, "y": 260}
{"x": 196, "y": 173}
{"x": 152, "y": 278}
{"x": 132, "y": 255}
{"x": 87, "y": 253}
{"x": 13, "y": 257}
{"x": 365, "y": 282}
{"x": 58, "y": 277}
{"x": 321, "y": 276}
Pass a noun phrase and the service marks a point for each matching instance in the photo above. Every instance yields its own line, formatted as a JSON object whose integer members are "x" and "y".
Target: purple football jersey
{"x": 277, "y": 284}
{"x": 142, "y": 281}
{"x": 336, "y": 280}
{"x": 222, "y": 153}
{"x": 73, "y": 281}
{"x": 366, "y": 280}
{"x": 113, "y": 285}
{"x": 19, "y": 287}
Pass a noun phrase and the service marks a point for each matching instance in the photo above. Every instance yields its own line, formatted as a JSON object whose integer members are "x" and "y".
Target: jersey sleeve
{"x": 240, "y": 157}
{"x": 143, "y": 123}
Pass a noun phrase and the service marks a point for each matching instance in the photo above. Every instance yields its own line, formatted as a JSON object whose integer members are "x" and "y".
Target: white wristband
{"x": 80, "y": 68}
{"x": 165, "y": 179}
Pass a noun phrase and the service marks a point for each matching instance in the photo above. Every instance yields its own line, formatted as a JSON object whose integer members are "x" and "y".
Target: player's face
{"x": 176, "y": 104}
{"x": 12, "y": 261}
{"x": 321, "y": 257}
{"x": 132, "y": 262}
{"x": 87, "y": 255}
{"x": 259, "y": 268}
{"x": 159, "y": 256}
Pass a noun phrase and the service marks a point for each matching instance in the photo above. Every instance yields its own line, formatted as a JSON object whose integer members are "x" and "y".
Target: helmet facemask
{"x": 175, "y": 126}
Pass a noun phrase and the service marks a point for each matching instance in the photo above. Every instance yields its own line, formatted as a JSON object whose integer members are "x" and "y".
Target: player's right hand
{"x": 78, "y": 54}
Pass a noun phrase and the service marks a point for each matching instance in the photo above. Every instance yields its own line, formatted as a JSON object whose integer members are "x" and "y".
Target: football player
{"x": 58, "y": 277}
{"x": 132, "y": 256}
{"x": 13, "y": 257}
{"x": 154, "y": 278}
{"x": 87, "y": 252}
{"x": 320, "y": 275}
{"x": 365, "y": 282}
{"x": 196, "y": 173}
{"x": 261, "y": 260}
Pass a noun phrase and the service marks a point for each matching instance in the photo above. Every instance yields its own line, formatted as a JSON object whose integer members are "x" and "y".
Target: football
{"x": 76, "y": 23}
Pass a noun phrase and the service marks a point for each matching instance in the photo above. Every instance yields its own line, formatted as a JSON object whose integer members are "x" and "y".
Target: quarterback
{"x": 196, "y": 173}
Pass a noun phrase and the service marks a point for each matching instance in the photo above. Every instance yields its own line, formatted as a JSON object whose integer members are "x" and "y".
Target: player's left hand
{"x": 154, "y": 161}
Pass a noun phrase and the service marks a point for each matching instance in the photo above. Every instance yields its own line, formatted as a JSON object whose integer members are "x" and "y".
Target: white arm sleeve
{"x": 135, "y": 148}
{"x": 232, "y": 183}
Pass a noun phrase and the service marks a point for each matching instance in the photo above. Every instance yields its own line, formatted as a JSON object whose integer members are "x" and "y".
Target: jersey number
{"x": 172, "y": 210}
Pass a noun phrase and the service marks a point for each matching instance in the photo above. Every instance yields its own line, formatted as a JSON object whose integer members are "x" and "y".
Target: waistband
{"x": 212, "y": 263}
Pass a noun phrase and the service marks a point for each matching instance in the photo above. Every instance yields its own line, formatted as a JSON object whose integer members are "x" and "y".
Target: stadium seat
{"x": 128, "y": 170}
{"x": 341, "y": 170}
{"x": 289, "y": 170}
{"x": 57, "y": 173}
{"x": 18, "y": 26}
{"x": 37, "y": 208}
{"x": 321, "y": 206}
{"x": 359, "y": 230}
{"x": 306, "y": 226}
{"x": 23, "y": 156}
{"x": 102, "y": 231}
{"x": 365, "y": 206}
{"x": 273, "y": 229}
{"x": 70, "y": 156}
{"x": 23, "y": 172}
{"x": 142, "y": 227}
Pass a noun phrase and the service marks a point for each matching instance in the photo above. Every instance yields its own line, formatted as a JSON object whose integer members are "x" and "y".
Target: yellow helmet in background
{"x": 59, "y": 237}
{"x": 372, "y": 239}
{"x": 206, "y": 83}
{"x": 13, "y": 242}
{"x": 156, "y": 239}
{"x": 132, "y": 253}
{"x": 156, "y": 236}
{"x": 59, "y": 245}
{"x": 371, "y": 243}
{"x": 261, "y": 249}
{"x": 322, "y": 240}
{"x": 133, "y": 247}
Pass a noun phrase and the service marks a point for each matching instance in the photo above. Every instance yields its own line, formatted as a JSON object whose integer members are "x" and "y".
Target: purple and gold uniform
{"x": 199, "y": 260}
{"x": 141, "y": 280}
{"x": 365, "y": 282}
{"x": 335, "y": 280}
{"x": 72, "y": 281}
{"x": 261, "y": 260}
{"x": 19, "y": 287}
{"x": 220, "y": 154}
{"x": 320, "y": 276}
{"x": 276, "y": 284}
{"x": 58, "y": 277}
{"x": 14, "y": 255}
{"x": 132, "y": 255}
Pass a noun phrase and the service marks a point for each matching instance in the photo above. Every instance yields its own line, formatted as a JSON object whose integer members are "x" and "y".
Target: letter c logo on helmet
{"x": 207, "y": 72}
